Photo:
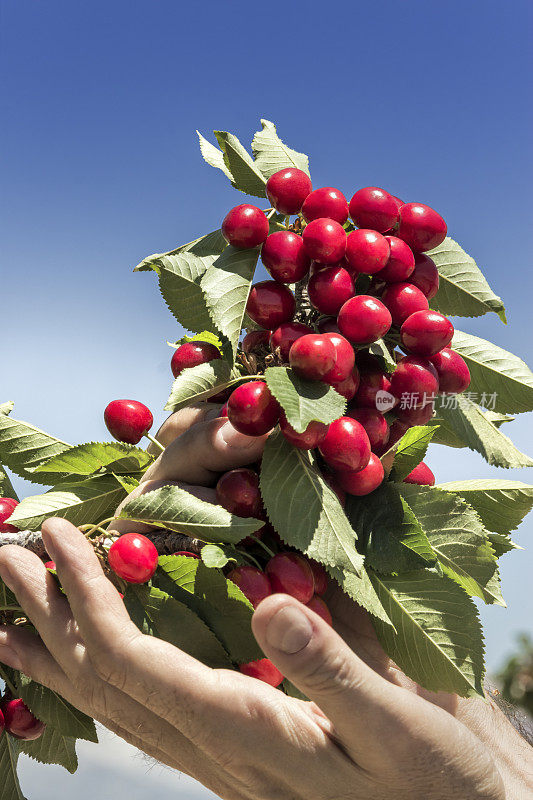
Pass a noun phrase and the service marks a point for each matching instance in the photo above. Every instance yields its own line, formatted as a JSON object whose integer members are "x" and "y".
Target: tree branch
{"x": 165, "y": 541}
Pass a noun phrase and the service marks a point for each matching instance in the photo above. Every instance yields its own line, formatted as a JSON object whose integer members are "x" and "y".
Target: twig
{"x": 165, "y": 541}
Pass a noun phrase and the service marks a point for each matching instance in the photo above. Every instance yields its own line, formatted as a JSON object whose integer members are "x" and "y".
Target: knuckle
{"x": 332, "y": 675}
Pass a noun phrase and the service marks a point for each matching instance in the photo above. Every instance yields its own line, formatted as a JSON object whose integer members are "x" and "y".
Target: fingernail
{"x": 9, "y": 657}
{"x": 289, "y": 630}
{"x": 231, "y": 436}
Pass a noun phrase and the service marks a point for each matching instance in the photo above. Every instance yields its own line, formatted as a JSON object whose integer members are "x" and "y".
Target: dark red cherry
{"x": 238, "y": 492}
{"x": 327, "y": 325}
{"x": 401, "y": 261}
{"x": 19, "y": 721}
{"x": 291, "y": 574}
{"x": 363, "y": 481}
{"x": 191, "y": 354}
{"x": 252, "y": 409}
{"x": 344, "y": 359}
{"x": 364, "y": 319}
{"x": 346, "y": 445}
{"x": 319, "y": 607}
{"x": 421, "y": 475}
{"x": 287, "y": 190}
{"x": 371, "y": 382}
{"x": 425, "y": 275}
{"x": 325, "y": 202}
{"x": 402, "y": 300}
{"x": 348, "y": 387}
{"x": 426, "y": 332}
{"x": 309, "y": 439}
{"x": 421, "y": 227}
{"x": 255, "y": 340}
{"x": 415, "y": 415}
{"x": 374, "y": 208}
{"x": 367, "y": 251}
{"x": 7, "y": 506}
{"x": 454, "y": 375}
{"x": 284, "y": 337}
{"x": 245, "y": 226}
{"x": 330, "y": 288}
{"x": 320, "y": 577}
{"x": 374, "y": 423}
{"x": 270, "y": 303}
{"x": 253, "y": 583}
{"x": 414, "y": 380}
{"x": 325, "y": 240}
{"x": 285, "y": 257}
{"x": 312, "y": 356}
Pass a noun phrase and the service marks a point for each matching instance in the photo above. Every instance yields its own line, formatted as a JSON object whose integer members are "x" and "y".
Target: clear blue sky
{"x": 101, "y": 167}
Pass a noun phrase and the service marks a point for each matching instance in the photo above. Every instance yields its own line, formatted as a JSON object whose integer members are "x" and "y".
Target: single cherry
{"x": 270, "y": 303}
{"x": 238, "y": 492}
{"x": 330, "y": 288}
{"x": 419, "y": 415}
{"x": 374, "y": 423}
{"x": 344, "y": 359}
{"x": 402, "y": 300}
{"x": 253, "y": 583}
{"x": 285, "y": 257}
{"x": 264, "y": 670}
{"x": 287, "y": 190}
{"x": 252, "y": 409}
{"x": 309, "y": 439}
{"x": 325, "y": 240}
{"x": 397, "y": 430}
{"x": 7, "y": 506}
{"x": 374, "y": 208}
{"x": 367, "y": 251}
{"x": 421, "y": 475}
{"x": 454, "y": 375}
{"x": 291, "y": 574}
{"x": 426, "y": 332}
{"x": 327, "y": 325}
{"x": 348, "y": 387}
{"x": 346, "y": 445}
{"x": 317, "y": 605}
{"x": 191, "y": 354}
{"x": 364, "y": 319}
{"x": 312, "y": 356}
{"x": 133, "y": 557}
{"x": 245, "y": 226}
{"x": 50, "y": 564}
{"x": 223, "y": 411}
{"x": 20, "y": 722}
{"x": 371, "y": 382}
{"x": 363, "y": 481}
{"x": 282, "y": 339}
{"x": 425, "y": 275}
{"x": 421, "y": 227}
{"x": 255, "y": 340}
{"x": 415, "y": 380}
{"x": 128, "y": 420}
{"x": 320, "y": 577}
{"x": 401, "y": 261}
{"x": 326, "y": 202}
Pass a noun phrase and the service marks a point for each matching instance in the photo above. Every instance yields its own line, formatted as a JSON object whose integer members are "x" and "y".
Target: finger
{"x": 181, "y": 421}
{"x": 128, "y": 526}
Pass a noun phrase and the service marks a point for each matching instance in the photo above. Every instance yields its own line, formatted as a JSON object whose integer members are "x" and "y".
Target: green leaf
{"x": 226, "y": 286}
{"x": 52, "y": 747}
{"x": 213, "y": 155}
{"x": 439, "y": 642}
{"x": 501, "y": 544}
{"x": 246, "y": 177}
{"x": 500, "y": 504}
{"x": 499, "y": 377}
{"x": 7, "y": 408}
{"x": 304, "y": 401}
{"x": 201, "y": 382}
{"x": 209, "y": 245}
{"x": 86, "y": 459}
{"x": 360, "y": 589}
{"x": 271, "y": 154}
{"x": 9, "y": 754}
{"x": 51, "y": 708}
{"x": 446, "y": 435}
{"x": 174, "y": 508}
{"x": 80, "y": 502}
{"x": 180, "y": 278}
{"x": 410, "y": 450}
{"x": 203, "y": 336}
{"x": 457, "y": 536}
{"x": 23, "y": 448}
{"x": 216, "y": 600}
{"x": 463, "y": 289}
{"x": 380, "y": 349}
{"x": 157, "y": 614}
{"x": 6, "y": 487}
{"x": 214, "y": 556}
{"x": 308, "y": 514}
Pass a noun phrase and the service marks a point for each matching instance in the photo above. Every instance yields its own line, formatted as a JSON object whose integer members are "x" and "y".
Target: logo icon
{"x": 384, "y": 401}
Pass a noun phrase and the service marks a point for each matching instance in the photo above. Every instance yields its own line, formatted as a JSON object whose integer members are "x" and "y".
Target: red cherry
{"x": 328, "y": 325}
{"x": 255, "y": 340}
{"x": 20, "y": 722}
{"x": 285, "y": 257}
{"x": 128, "y": 420}
{"x": 415, "y": 416}
{"x": 402, "y": 300}
{"x": 364, "y": 319}
{"x": 287, "y": 189}
{"x": 320, "y": 577}
{"x": 397, "y": 430}
{"x": 453, "y": 372}
{"x": 238, "y": 492}
{"x": 326, "y": 202}
{"x": 312, "y": 356}
{"x": 367, "y": 251}
{"x": 421, "y": 227}
{"x": 252, "y": 409}
{"x": 264, "y": 670}
{"x": 374, "y": 423}
{"x": 285, "y": 336}
{"x": 346, "y": 445}
{"x": 50, "y": 564}
{"x": 317, "y": 605}
{"x": 334, "y": 485}
{"x": 415, "y": 379}
{"x": 325, "y": 240}
{"x": 309, "y": 439}
{"x": 245, "y": 226}
{"x": 191, "y": 354}
{"x": 348, "y": 387}
{"x": 425, "y": 275}
{"x": 363, "y": 481}
{"x": 371, "y": 382}
{"x": 253, "y": 583}
{"x": 344, "y": 359}
{"x": 291, "y": 574}
{"x": 7, "y": 506}
{"x": 401, "y": 261}
{"x": 270, "y": 304}
{"x": 374, "y": 208}
{"x": 421, "y": 475}
{"x": 426, "y": 332}
{"x": 223, "y": 411}
{"x": 133, "y": 557}
{"x": 330, "y": 288}
{"x": 186, "y": 553}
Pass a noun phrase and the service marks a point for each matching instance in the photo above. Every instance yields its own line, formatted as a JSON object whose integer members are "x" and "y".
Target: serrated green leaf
{"x": 500, "y": 504}
{"x": 23, "y": 447}
{"x": 128, "y": 482}
{"x": 86, "y": 459}
{"x": 502, "y": 543}
{"x": 503, "y": 379}
{"x": 463, "y": 289}
{"x": 174, "y": 508}
{"x": 213, "y": 156}
{"x": 50, "y": 707}
{"x": 6, "y": 487}
{"x": 9, "y": 754}
{"x": 52, "y": 747}
{"x": 304, "y": 401}
{"x": 7, "y": 408}
{"x": 180, "y": 278}
{"x": 80, "y": 502}
{"x": 271, "y": 154}
{"x": 411, "y": 450}
{"x": 214, "y": 556}
{"x": 446, "y": 435}
{"x": 245, "y": 176}
{"x": 203, "y": 336}
{"x": 438, "y": 640}
{"x": 209, "y": 245}
{"x": 226, "y": 286}
{"x": 307, "y": 514}
{"x": 201, "y": 382}
{"x": 360, "y": 588}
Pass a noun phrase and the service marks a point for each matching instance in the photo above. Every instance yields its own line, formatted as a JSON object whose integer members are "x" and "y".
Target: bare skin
{"x": 368, "y": 732}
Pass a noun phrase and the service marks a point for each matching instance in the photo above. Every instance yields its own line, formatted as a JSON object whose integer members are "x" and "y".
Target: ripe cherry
{"x": 421, "y": 227}
{"x": 330, "y": 288}
{"x": 326, "y": 202}
{"x": 255, "y": 340}
{"x": 287, "y": 190}
{"x": 186, "y": 553}
{"x": 270, "y": 303}
{"x": 238, "y": 492}
{"x": 253, "y": 583}
{"x": 20, "y": 722}
{"x": 363, "y": 481}
{"x": 348, "y": 387}
{"x": 7, "y": 506}
{"x": 374, "y": 423}
{"x": 327, "y": 325}
{"x": 374, "y": 208}
{"x": 453, "y": 372}
{"x": 133, "y": 557}
{"x": 291, "y": 574}
{"x": 397, "y": 430}
{"x": 284, "y": 337}
{"x": 252, "y": 409}
{"x": 309, "y": 439}
{"x": 245, "y": 226}
{"x": 416, "y": 416}
{"x": 421, "y": 475}
{"x": 346, "y": 445}
{"x": 325, "y": 240}
{"x": 50, "y": 564}
{"x": 402, "y": 300}
{"x": 317, "y": 605}
{"x": 285, "y": 257}
{"x": 344, "y": 359}
{"x": 371, "y": 382}
{"x": 128, "y": 420}
{"x": 312, "y": 356}
{"x": 364, "y": 319}
{"x": 401, "y": 261}
{"x": 415, "y": 379}
{"x": 264, "y": 670}
{"x": 425, "y": 275}
{"x": 426, "y": 332}
{"x": 223, "y": 411}
{"x": 191, "y": 354}
{"x": 367, "y": 251}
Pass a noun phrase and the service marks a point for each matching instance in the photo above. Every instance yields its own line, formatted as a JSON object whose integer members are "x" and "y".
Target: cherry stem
{"x": 250, "y": 558}
{"x": 88, "y": 530}
{"x": 271, "y": 213}
{"x": 11, "y": 608}
{"x": 8, "y": 683}
{"x": 154, "y": 441}
{"x": 265, "y": 548}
